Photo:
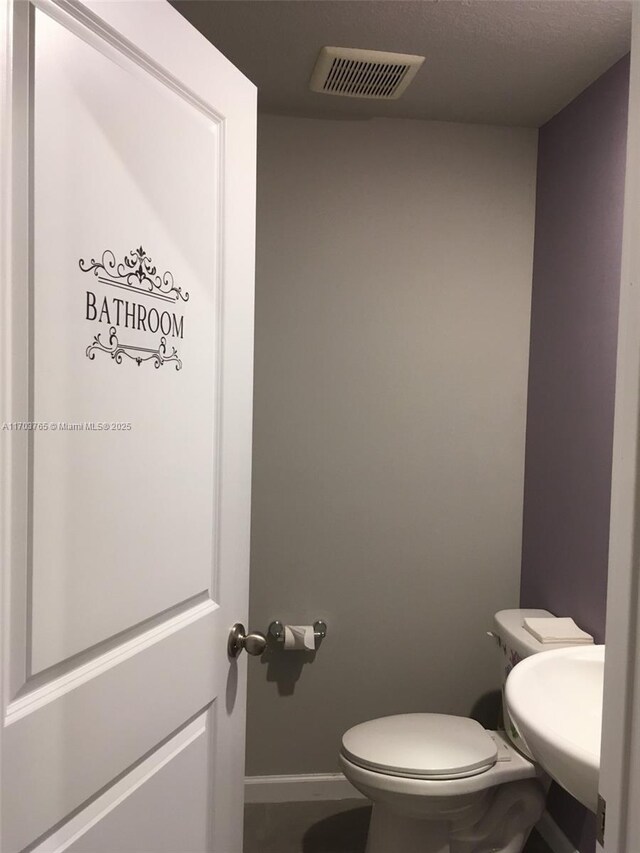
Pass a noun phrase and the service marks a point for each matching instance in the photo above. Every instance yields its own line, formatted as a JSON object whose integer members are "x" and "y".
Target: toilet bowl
{"x": 444, "y": 784}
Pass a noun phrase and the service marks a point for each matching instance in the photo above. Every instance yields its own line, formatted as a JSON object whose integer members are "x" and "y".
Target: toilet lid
{"x": 421, "y": 746}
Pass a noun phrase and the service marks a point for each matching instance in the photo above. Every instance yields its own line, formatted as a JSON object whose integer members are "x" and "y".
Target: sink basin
{"x": 555, "y": 700}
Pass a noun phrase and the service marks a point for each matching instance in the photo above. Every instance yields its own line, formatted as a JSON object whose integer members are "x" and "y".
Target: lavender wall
{"x": 576, "y": 272}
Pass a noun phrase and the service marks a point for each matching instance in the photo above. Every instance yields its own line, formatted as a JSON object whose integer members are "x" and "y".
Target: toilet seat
{"x": 421, "y": 746}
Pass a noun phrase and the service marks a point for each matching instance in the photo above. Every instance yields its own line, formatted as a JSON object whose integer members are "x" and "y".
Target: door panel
{"x": 127, "y": 331}
{"x": 161, "y": 805}
{"x": 125, "y": 263}
{"x": 71, "y": 741}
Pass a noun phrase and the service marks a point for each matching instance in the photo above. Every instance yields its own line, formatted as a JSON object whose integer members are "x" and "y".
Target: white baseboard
{"x": 553, "y": 835}
{"x": 299, "y": 788}
{"x": 304, "y": 788}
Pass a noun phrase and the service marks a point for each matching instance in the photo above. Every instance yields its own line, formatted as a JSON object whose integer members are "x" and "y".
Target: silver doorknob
{"x": 254, "y": 643}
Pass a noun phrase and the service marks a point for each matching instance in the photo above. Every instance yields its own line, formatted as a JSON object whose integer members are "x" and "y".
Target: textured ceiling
{"x": 514, "y": 62}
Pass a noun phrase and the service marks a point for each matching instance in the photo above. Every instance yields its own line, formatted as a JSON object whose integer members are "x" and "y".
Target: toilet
{"x": 444, "y": 784}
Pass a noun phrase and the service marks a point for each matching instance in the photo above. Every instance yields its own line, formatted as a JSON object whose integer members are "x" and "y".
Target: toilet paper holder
{"x": 276, "y": 630}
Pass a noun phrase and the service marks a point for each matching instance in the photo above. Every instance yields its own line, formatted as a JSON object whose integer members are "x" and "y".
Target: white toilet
{"x": 444, "y": 784}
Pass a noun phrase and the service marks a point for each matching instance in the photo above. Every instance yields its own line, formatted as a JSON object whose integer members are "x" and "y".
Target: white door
{"x": 128, "y": 195}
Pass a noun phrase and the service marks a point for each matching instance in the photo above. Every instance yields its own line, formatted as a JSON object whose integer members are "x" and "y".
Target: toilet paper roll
{"x": 299, "y": 637}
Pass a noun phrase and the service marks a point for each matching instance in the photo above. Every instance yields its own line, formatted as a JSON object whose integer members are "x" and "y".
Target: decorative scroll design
{"x": 117, "y": 350}
{"x": 137, "y": 272}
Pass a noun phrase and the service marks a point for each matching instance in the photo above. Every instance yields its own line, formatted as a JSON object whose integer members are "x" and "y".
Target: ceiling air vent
{"x": 363, "y": 73}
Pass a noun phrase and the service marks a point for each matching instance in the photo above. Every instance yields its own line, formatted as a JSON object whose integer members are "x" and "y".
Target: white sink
{"x": 555, "y": 700}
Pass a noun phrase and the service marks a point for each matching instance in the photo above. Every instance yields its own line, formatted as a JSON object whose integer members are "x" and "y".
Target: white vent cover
{"x": 363, "y": 73}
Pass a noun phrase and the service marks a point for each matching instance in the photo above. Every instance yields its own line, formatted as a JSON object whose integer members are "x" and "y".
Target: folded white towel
{"x": 555, "y": 629}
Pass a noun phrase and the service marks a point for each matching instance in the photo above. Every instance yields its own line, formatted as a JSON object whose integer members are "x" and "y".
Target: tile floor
{"x": 318, "y": 827}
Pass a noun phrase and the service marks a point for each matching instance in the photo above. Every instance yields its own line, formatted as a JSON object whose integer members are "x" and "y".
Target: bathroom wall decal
{"x": 135, "y": 272}
{"x": 138, "y": 354}
{"x": 137, "y": 275}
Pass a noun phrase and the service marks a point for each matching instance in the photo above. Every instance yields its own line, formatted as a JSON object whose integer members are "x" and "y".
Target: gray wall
{"x": 576, "y": 281}
{"x": 392, "y": 332}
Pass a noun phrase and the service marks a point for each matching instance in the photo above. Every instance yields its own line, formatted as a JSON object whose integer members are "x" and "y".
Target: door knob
{"x": 254, "y": 643}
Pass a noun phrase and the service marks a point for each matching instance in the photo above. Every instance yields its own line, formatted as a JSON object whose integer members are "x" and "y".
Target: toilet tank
{"x": 513, "y": 643}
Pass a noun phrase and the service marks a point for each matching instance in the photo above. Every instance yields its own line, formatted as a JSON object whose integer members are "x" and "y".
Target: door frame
{"x": 6, "y": 276}
{"x": 620, "y": 757}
